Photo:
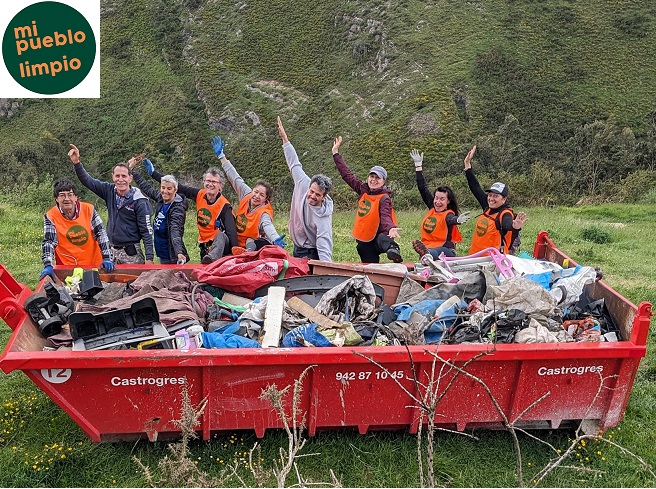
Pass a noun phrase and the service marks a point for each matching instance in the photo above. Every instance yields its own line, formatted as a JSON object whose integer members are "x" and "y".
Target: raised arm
{"x": 472, "y": 181}
{"x": 345, "y": 172}
{"x": 233, "y": 176}
{"x": 145, "y": 187}
{"x": 98, "y": 187}
{"x": 424, "y": 191}
{"x": 291, "y": 157}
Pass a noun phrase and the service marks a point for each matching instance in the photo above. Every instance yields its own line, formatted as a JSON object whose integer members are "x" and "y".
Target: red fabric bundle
{"x": 245, "y": 273}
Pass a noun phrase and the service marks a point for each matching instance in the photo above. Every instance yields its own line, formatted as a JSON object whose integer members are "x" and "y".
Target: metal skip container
{"x": 127, "y": 394}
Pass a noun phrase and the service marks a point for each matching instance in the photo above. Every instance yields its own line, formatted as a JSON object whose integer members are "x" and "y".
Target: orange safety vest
{"x": 487, "y": 232}
{"x": 367, "y": 218}
{"x": 247, "y": 223}
{"x": 206, "y": 215}
{"x": 76, "y": 244}
{"x": 434, "y": 229}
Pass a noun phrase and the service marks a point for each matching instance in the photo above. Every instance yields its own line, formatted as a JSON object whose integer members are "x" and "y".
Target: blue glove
{"x": 218, "y": 144}
{"x": 108, "y": 265}
{"x": 148, "y": 166}
{"x": 280, "y": 241}
{"x": 47, "y": 270}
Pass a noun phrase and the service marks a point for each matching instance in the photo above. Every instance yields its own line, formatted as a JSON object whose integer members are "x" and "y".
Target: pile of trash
{"x": 480, "y": 299}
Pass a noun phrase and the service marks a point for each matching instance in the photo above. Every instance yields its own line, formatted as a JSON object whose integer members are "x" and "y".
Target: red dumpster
{"x": 119, "y": 395}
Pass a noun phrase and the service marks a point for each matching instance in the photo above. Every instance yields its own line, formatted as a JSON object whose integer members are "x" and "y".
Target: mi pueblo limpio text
{"x": 27, "y": 38}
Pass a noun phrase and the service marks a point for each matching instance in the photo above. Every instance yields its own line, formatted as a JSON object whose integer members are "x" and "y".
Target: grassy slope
{"x": 366, "y": 70}
{"x": 32, "y": 424}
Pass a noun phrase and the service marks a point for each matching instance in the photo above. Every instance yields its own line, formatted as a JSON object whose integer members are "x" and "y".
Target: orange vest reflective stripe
{"x": 247, "y": 223}
{"x": 206, "y": 215}
{"x": 367, "y": 218}
{"x": 434, "y": 229}
{"x": 488, "y": 235}
{"x": 76, "y": 244}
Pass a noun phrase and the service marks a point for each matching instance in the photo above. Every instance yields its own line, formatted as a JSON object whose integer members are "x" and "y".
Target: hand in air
{"x": 417, "y": 158}
{"x": 519, "y": 220}
{"x": 218, "y": 144}
{"x": 74, "y": 154}
{"x": 469, "y": 157}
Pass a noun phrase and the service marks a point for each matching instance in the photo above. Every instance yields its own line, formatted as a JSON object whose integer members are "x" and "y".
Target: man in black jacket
{"x": 129, "y": 212}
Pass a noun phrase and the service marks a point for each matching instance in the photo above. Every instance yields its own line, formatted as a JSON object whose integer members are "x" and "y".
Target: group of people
{"x": 74, "y": 233}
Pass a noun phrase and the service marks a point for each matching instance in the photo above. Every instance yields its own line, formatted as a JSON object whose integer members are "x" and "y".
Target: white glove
{"x": 463, "y": 218}
{"x": 417, "y": 158}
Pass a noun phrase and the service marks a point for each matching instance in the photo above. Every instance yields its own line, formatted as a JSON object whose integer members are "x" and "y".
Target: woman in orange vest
{"x": 73, "y": 233}
{"x": 254, "y": 216}
{"x": 375, "y": 226}
{"x": 498, "y": 225}
{"x": 439, "y": 227}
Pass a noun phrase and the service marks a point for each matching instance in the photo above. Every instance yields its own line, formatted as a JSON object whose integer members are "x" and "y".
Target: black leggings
{"x": 370, "y": 251}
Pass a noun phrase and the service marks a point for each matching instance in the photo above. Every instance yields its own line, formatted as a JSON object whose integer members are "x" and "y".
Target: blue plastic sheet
{"x": 427, "y": 308}
{"x": 228, "y": 340}
{"x": 309, "y": 333}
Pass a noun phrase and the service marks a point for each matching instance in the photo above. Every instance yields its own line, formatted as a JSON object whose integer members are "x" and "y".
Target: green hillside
{"x": 559, "y": 95}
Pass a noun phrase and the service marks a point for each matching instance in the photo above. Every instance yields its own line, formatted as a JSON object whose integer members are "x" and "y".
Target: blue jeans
{"x": 436, "y": 252}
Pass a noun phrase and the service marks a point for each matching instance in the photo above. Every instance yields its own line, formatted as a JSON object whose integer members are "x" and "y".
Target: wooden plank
{"x": 312, "y": 314}
{"x": 235, "y": 300}
{"x": 273, "y": 317}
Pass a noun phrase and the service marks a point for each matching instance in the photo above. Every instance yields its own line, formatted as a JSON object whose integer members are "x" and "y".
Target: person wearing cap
{"x": 498, "y": 225}
{"x": 311, "y": 212}
{"x": 254, "y": 216}
{"x": 439, "y": 227}
{"x": 73, "y": 233}
{"x": 375, "y": 226}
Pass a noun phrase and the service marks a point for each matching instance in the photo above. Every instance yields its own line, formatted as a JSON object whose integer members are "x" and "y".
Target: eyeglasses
{"x": 65, "y": 195}
{"x": 212, "y": 182}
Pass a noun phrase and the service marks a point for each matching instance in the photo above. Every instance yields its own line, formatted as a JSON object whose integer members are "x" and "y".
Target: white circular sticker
{"x": 56, "y": 375}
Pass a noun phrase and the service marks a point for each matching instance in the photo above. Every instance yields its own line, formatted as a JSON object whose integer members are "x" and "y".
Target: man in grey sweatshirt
{"x": 311, "y": 213}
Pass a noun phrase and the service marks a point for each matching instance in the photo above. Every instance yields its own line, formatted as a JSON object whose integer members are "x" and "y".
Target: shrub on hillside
{"x": 636, "y": 185}
{"x": 36, "y": 195}
{"x": 633, "y": 24}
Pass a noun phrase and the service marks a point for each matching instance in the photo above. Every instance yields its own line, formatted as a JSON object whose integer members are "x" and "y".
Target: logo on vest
{"x": 203, "y": 217}
{"x": 241, "y": 222}
{"x": 364, "y": 208}
{"x": 430, "y": 224}
{"x": 481, "y": 226}
{"x": 77, "y": 235}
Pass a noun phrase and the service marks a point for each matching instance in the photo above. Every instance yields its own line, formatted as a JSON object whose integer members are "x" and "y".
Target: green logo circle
{"x": 203, "y": 217}
{"x": 49, "y": 47}
{"x": 77, "y": 235}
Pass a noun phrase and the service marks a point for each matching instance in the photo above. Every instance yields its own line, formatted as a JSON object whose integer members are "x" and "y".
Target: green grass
{"x": 33, "y": 428}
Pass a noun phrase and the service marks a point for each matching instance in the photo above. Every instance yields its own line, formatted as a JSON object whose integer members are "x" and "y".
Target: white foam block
{"x": 273, "y": 317}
